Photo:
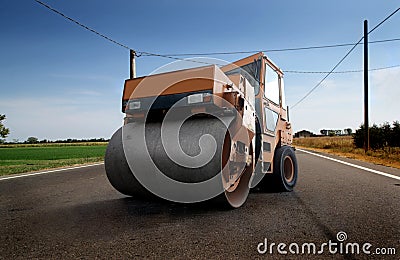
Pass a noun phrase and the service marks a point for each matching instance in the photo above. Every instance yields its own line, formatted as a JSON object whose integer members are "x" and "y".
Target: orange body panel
{"x": 175, "y": 82}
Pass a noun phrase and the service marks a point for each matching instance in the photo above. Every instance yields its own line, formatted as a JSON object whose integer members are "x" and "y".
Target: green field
{"x": 26, "y": 158}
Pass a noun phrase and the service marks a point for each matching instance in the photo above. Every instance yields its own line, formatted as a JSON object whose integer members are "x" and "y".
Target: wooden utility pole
{"x": 366, "y": 119}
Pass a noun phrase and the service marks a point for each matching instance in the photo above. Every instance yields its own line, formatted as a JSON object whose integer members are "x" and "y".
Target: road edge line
{"x": 352, "y": 165}
{"x": 49, "y": 171}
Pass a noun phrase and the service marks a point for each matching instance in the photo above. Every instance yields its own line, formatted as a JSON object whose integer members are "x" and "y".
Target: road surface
{"x": 77, "y": 214}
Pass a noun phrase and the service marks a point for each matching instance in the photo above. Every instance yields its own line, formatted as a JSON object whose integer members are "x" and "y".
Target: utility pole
{"x": 366, "y": 119}
{"x": 132, "y": 63}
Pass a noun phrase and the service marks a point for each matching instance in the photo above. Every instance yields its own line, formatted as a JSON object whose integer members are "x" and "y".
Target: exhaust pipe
{"x": 132, "y": 64}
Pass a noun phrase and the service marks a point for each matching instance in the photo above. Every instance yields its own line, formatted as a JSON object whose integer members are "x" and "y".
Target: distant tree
{"x": 376, "y": 139}
{"x": 386, "y": 134}
{"x": 347, "y": 131}
{"x": 358, "y": 137}
{"x": 4, "y": 132}
{"x": 395, "y": 136}
{"x": 334, "y": 132}
{"x": 324, "y": 132}
{"x": 32, "y": 140}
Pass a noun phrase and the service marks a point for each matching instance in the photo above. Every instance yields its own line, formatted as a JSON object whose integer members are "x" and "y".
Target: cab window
{"x": 251, "y": 72}
{"x": 283, "y": 93}
{"x": 271, "y": 83}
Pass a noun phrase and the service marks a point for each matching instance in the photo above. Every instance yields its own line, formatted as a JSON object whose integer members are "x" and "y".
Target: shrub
{"x": 380, "y": 137}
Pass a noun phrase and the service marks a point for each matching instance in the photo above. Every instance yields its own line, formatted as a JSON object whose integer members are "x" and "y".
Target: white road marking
{"x": 353, "y": 165}
{"x": 49, "y": 171}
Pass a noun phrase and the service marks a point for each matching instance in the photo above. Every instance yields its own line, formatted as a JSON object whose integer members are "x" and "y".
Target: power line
{"x": 338, "y": 72}
{"x": 81, "y": 25}
{"x": 345, "y": 56}
{"x": 327, "y": 75}
{"x": 384, "y": 20}
{"x": 175, "y": 58}
{"x": 387, "y": 40}
{"x": 255, "y": 51}
{"x": 274, "y": 50}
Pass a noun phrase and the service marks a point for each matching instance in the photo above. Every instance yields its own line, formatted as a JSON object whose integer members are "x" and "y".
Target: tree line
{"x": 380, "y": 137}
{"x": 35, "y": 140}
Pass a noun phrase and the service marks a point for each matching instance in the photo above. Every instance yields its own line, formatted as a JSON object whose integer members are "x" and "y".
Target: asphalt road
{"x": 77, "y": 214}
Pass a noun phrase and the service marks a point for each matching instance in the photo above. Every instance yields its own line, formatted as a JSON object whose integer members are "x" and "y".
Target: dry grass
{"x": 343, "y": 146}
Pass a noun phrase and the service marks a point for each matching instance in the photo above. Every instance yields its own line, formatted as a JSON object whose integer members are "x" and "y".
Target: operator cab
{"x": 270, "y": 105}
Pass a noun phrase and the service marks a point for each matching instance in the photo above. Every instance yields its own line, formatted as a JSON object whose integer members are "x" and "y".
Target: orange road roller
{"x": 209, "y": 132}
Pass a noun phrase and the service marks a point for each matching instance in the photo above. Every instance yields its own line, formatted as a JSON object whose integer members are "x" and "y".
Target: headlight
{"x": 199, "y": 98}
{"x": 134, "y": 104}
{"x": 195, "y": 98}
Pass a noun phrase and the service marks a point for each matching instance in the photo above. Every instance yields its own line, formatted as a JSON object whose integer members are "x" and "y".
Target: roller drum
{"x": 190, "y": 140}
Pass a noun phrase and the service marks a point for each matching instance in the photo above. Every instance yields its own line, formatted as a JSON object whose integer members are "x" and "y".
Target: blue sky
{"x": 60, "y": 81}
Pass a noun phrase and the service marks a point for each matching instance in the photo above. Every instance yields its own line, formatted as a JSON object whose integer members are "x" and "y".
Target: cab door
{"x": 271, "y": 108}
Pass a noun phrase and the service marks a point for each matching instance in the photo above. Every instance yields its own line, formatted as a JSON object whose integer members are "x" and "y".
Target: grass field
{"x": 25, "y": 158}
{"x": 343, "y": 146}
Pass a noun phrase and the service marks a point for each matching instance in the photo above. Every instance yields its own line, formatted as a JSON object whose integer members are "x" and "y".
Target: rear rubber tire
{"x": 284, "y": 176}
